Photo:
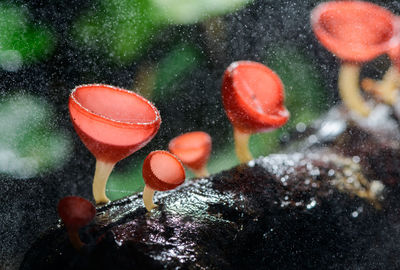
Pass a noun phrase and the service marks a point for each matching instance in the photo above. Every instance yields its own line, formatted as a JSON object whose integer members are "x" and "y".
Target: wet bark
{"x": 328, "y": 201}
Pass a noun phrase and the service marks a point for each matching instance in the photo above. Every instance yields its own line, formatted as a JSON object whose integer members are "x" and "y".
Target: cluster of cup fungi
{"x": 113, "y": 123}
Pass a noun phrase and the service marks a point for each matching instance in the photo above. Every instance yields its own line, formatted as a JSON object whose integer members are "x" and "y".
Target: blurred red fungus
{"x": 161, "y": 171}
{"x": 356, "y": 32}
{"x": 193, "y": 149}
{"x": 113, "y": 123}
{"x": 75, "y": 212}
{"x": 253, "y": 97}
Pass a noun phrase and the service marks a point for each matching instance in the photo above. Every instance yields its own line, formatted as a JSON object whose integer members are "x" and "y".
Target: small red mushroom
{"x": 193, "y": 149}
{"x": 161, "y": 171}
{"x": 355, "y": 32}
{"x": 253, "y": 97}
{"x": 75, "y": 212}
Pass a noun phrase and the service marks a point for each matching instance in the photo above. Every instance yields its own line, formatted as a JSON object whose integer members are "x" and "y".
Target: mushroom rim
{"x": 108, "y": 119}
{"x": 204, "y": 143}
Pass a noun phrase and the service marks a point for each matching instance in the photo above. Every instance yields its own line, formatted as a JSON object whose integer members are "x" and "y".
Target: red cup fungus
{"x": 75, "y": 212}
{"x": 355, "y": 32}
{"x": 161, "y": 171}
{"x": 113, "y": 123}
{"x": 253, "y": 97}
{"x": 193, "y": 149}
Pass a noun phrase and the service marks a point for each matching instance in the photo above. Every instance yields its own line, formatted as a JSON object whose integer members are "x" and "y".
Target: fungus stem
{"x": 386, "y": 89}
{"x": 74, "y": 239}
{"x": 389, "y": 84}
{"x": 148, "y": 194}
{"x": 103, "y": 171}
{"x": 202, "y": 172}
{"x": 350, "y": 91}
{"x": 242, "y": 145}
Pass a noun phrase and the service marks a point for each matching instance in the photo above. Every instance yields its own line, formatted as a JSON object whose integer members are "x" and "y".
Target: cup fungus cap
{"x": 253, "y": 97}
{"x": 75, "y": 212}
{"x": 192, "y": 148}
{"x": 162, "y": 171}
{"x": 394, "y": 51}
{"x": 354, "y": 31}
{"x": 112, "y": 122}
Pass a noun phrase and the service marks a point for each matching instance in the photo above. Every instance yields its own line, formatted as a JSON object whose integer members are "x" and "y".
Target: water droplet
{"x": 301, "y": 127}
{"x": 312, "y": 204}
{"x": 350, "y": 180}
{"x": 312, "y": 139}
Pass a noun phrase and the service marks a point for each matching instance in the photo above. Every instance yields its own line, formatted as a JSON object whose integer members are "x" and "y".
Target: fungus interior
{"x": 361, "y": 25}
{"x": 355, "y": 31}
{"x": 253, "y": 97}
{"x": 251, "y": 83}
{"x": 115, "y": 105}
{"x": 112, "y": 123}
{"x": 167, "y": 168}
{"x": 192, "y": 148}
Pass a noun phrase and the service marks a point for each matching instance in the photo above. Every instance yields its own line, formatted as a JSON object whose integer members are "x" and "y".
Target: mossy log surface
{"x": 328, "y": 201}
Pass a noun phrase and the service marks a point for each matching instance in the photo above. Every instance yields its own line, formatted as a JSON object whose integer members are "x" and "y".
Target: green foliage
{"x": 193, "y": 11}
{"x": 305, "y": 97}
{"x": 20, "y": 41}
{"x": 174, "y": 68}
{"x": 121, "y": 30}
{"x": 118, "y": 30}
{"x": 28, "y": 143}
{"x": 122, "y": 184}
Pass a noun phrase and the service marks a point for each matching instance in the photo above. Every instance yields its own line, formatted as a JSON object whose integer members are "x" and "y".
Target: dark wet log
{"x": 319, "y": 204}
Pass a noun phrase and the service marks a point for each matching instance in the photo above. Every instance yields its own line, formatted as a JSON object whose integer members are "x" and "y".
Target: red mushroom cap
{"x": 394, "y": 52}
{"x": 355, "y": 31}
{"x": 75, "y": 212}
{"x": 253, "y": 97}
{"x": 162, "y": 171}
{"x": 192, "y": 148}
{"x": 112, "y": 122}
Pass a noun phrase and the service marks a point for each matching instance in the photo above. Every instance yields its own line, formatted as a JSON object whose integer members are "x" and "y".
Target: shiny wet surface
{"x": 333, "y": 204}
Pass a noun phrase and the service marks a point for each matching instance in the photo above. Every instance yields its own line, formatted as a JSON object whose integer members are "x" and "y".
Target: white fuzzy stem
{"x": 242, "y": 145}
{"x": 148, "y": 194}
{"x": 349, "y": 89}
{"x": 103, "y": 171}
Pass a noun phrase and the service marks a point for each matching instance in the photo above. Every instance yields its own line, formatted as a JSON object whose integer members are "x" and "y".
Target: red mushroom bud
{"x": 356, "y": 32}
{"x": 193, "y": 149}
{"x": 253, "y": 97}
{"x": 75, "y": 212}
{"x": 161, "y": 171}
